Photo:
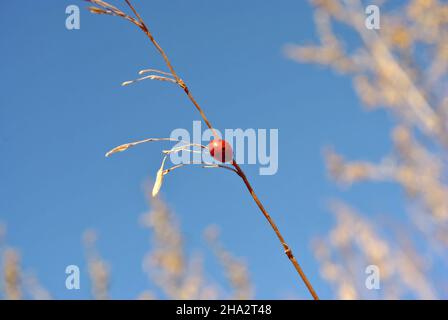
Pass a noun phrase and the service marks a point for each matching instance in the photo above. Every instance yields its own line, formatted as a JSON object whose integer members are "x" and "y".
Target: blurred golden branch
{"x": 402, "y": 68}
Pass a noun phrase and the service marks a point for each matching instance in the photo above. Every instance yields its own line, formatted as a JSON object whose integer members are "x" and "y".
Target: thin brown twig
{"x": 141, "y": 24}
{"x": 145, "y": 29}
{"x": 287, "y": 249}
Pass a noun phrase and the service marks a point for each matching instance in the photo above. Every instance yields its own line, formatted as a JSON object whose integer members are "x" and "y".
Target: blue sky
{"x": 62, "y": 107}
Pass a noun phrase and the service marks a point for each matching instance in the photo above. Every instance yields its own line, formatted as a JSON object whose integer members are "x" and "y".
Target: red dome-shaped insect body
{"x": 221, "y": 150}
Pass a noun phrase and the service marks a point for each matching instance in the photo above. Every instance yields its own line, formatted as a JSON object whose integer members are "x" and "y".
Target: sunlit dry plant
{"x": 104, "y": 8}
{"x": 402, "y": 68}
{"x": 354, "y": 243}
{"x": 14, "y": 282}
{"x": 236, "y": 270}
{"x": 11, "y": 274}
{"x": 34, "y": 288}
{"x": 99, "y": 270}
{"x": 176, "y": 274}
{"x": 180, "y": 275}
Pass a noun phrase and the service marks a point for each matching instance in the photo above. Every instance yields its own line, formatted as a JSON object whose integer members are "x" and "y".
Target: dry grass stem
{"x": 138, "y": 21}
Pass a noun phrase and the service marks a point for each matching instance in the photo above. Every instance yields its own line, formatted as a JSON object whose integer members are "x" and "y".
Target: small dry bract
{"x": 159, "y": 179}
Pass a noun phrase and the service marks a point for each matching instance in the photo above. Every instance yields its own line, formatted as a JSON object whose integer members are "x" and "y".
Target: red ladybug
{"x": 221, "y": 150}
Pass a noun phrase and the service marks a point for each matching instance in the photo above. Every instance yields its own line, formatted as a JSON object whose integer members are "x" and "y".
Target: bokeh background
{"x": 62, "y": 107}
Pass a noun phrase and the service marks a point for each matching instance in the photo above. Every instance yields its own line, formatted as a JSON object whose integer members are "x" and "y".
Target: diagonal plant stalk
{"x": 106, "y": 8}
